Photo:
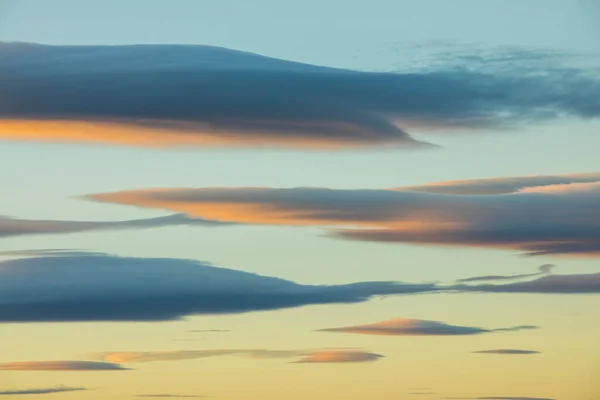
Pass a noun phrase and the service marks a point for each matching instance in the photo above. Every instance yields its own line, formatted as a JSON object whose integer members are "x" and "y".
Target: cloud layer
{"x": 538, "y": 219}
{"x": 165, "y": 95}
{"x": 418, "y": 327}
{"x": 61, "y": 366}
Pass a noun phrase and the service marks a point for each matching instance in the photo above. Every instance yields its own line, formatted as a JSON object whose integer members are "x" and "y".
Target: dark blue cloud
{"x": 248, "y": 99}
{"x": 110, "y": 288}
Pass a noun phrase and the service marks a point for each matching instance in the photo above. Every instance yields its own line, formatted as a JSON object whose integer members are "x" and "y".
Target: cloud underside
{"x": 417, "y": 327}
{"x": 58, "y": 389}
{"x": 61, "y": 366}
{"x": 168, "y": 95}
{"x": 109, "y": 288}
{"x": 532, "y": 215}
{"x": 317, "y": 356}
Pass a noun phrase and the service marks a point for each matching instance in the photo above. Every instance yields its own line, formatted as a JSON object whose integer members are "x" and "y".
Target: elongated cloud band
{"x": 320, "y": 356}
{"x": 100, "y": 287}
{"x": 110, "y": 288}
{"x": 417, "y": 327}
{"x": 508, "y": 352}
{"x": 19, "y": 227}
{"x": 169, "y": 95}
{"x": 532, "y": 215}
{"x": 61, "y": 366}
{"x": 58, "y": 389}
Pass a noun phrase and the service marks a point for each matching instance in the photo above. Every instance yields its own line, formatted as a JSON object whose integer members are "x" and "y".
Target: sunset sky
{"x": 267, "y": 200}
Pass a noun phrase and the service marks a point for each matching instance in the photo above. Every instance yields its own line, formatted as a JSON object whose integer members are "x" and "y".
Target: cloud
{"x": 61, "y": 366}
{"x": 551, "y": 284}
{"x": 58, "y": 389}
{"x": 507, "y": 351}
{"x": 170, "y": 395}
{"x": 111, "y": 288}
{"x": 336, "y": 356}
{"x": 101, "y": 287}
{"x": 491, "y": 186}
{"x": 417, "y": 327}
{"x": 499, "y": 398}
{"x": 302, "y": 356}
{"x": 181, "y": 95}
{"x": 543, "y": 270}
{"x": 10, "y": 227}
{"x": 539, "y": 220}
{"x": 209, "y": 330}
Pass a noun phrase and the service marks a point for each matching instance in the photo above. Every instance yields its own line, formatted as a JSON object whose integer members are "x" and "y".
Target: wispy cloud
{"x": 58, "y": 389}
{"x": 179, "y": 396}
{"x": 19, "y": 227}
{"x": 499, "y": 398}
{"x": 61, "y": 366}
{"x": 301, "y": 356}
{"x": 538, "y": 220}
{"x": 544, "y": 270}
{"x": 417, "y": 327}
{"x": 169, "y": 95}
{"x": 508, "y": 351}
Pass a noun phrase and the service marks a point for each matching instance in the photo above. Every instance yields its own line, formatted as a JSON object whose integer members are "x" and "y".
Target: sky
{"x": 364, "y": 200}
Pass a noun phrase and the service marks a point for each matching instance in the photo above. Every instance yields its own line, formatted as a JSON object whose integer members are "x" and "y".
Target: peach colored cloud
{"x": 301, "y": 356}
{"x": 547, "y": 219}
{"x": 417, "y": 327}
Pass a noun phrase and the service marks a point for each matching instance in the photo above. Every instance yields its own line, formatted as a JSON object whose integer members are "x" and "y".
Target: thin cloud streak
{"x": 315, "y": 356}
{"x": 508, "y": 352}
{"x": 417, "y": 327}
{"x": 11, "y": 227}
{"x": 61, "y": 366}
{"x": 58, "y": 389}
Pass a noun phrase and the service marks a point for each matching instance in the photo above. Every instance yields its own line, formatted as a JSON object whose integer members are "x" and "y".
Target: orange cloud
{"x": 541, "y": 219}
{"x": 304, "y": 356}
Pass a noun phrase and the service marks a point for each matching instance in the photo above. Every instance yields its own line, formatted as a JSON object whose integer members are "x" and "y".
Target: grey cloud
{"x": 417, "y": 327}
{"x": 250, "y": 100}
{"x": 61, "y": 366}
{"x": 10, "y": 227}
{"x": 551, "y": 284}
{"x": 111, "y": 288}
{"x": 508, "y": 351}
{"x": 490, "y": 186}
{"x": 171, "y": 395}
{"x": 58, "y": 389}
{"x": 543, "y": 270}
{"x": 499, "y": 398}
{"x": 540, "y": 220}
